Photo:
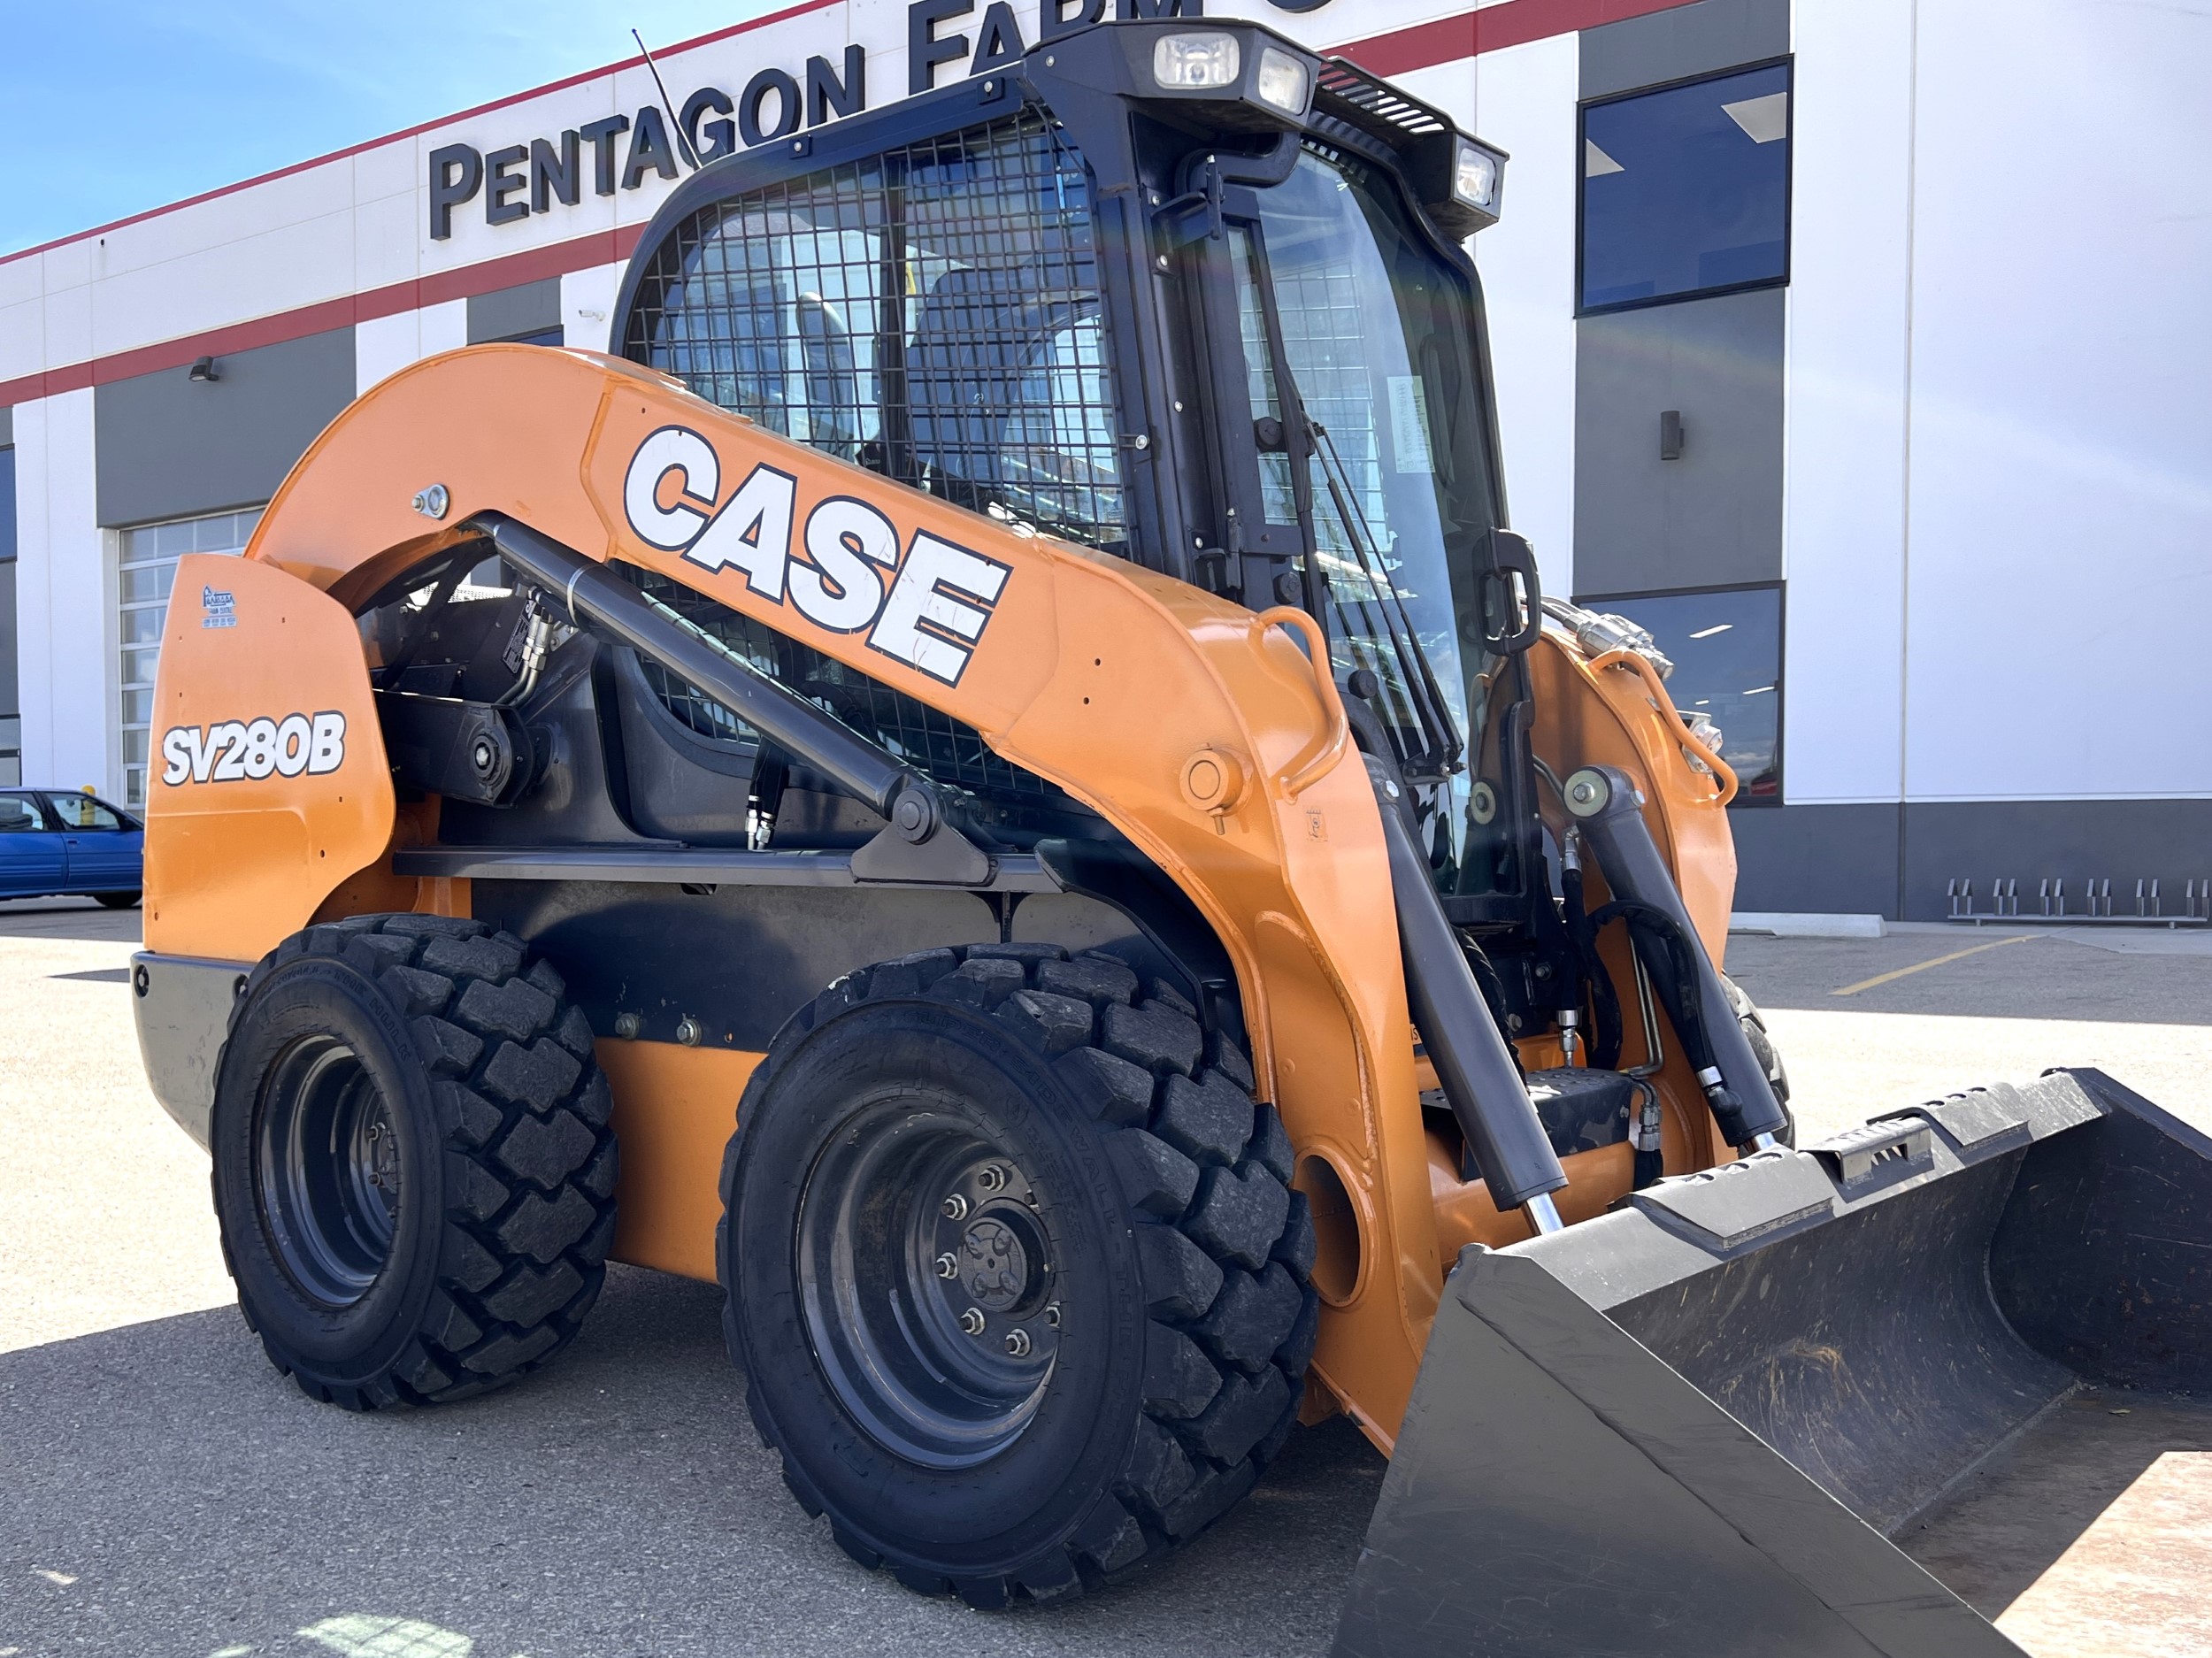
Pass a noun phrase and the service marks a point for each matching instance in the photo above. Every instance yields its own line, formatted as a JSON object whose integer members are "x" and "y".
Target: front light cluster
{"x": 1212, "y": 60}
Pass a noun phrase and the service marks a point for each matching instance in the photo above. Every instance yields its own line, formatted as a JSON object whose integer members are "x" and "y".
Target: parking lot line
{"x": 1922, "y": 967}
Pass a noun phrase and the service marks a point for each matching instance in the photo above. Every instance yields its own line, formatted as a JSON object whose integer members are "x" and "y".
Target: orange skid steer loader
{"x": 993, "y": 779}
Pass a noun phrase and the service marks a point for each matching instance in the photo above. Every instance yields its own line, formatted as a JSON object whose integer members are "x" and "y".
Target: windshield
{"x": 1377, "y": 332}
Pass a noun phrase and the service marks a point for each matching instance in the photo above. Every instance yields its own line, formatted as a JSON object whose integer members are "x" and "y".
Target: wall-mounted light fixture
{"x": 1671, "y": 435}
{"x": 205, "y": 369}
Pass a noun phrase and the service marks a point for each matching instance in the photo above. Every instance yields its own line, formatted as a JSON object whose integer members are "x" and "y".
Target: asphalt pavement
{"x": 164, "y": 1492}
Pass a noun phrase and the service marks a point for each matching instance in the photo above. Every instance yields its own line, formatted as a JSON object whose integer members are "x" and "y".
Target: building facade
{"x": 1856, "y": 348}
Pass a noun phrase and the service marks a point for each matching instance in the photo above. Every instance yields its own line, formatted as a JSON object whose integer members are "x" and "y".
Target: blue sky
{"x": 114, "y": 106}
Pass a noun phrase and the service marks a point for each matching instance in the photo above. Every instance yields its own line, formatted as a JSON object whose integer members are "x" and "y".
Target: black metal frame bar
{"x": 1012, "y": 872}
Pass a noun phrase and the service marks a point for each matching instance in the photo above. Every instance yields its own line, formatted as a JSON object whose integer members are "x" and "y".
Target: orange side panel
{"x": 675, "y": 1110}
{"x": 268, "y": 784}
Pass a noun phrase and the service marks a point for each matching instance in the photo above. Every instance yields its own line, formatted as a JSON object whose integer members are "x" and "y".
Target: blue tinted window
{"x": 1686, "y": 189}
{"x": 7, "y": 504}
{"x": 1727, "y": 652}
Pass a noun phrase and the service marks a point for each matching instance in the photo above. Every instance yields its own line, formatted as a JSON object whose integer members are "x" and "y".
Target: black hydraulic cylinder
{"x": 1473, "y": 1066}
{"x": 1604, "y": 801}
{"x": 584, "y": 589}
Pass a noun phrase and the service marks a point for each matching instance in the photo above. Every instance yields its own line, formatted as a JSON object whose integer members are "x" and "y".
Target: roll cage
{"x": 1159, "y": 178}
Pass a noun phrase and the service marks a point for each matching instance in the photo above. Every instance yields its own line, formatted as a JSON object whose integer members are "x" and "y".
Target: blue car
{"x": 54, "y": 841}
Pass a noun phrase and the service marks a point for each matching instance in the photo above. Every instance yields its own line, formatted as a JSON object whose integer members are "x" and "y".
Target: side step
{"x": 1687, "y": 1427}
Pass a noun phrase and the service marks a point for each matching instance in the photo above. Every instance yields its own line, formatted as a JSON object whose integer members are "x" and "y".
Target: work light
{"x": 1477, "y": 173}
{"x": 1284, "y": 82}
{"x": 1196, "y": 62}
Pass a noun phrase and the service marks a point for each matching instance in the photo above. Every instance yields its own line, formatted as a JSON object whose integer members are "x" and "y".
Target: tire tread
{"x": 1204, "y": 1172}
{"x": 530, "y": 1158}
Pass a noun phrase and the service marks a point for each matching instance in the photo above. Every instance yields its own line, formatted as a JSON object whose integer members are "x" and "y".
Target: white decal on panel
{"x": 752, "y": 533}
{"x": 691, "y": 457}
{"x": 930, "y": 616}
{"x": 234, "y": 751}
{"x": 933, "y": 571}
{"x": 839, "y": 590}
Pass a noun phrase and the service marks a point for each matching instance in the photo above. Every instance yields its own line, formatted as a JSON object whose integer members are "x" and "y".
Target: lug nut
{"x": 1052, "y": 1315}
{"x": 992, "y": 1179}
{"x": 688, "y": 1031}
{"x": 971, "y": 1321}
{"x": 948, "y": 1265}
{"x": 955, "y": 1208}
{"x": 1018, "y": 1343}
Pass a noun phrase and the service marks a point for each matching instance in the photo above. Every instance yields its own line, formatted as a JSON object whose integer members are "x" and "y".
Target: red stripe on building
{"x": 1421, "y": 46}
{"x": 534, "y": 265}
{"x": 1493, "y": 28}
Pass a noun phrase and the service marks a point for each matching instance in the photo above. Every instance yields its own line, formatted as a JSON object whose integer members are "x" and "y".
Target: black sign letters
{"x": 524, "y": 178}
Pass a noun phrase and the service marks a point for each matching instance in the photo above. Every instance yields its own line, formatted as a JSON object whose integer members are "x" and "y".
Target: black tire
{"x": 1762, "y": 1048}
{"x": 116, "y": 900}
{"x": 413, "y": 1169}
{"x": 1157, "y": 1269}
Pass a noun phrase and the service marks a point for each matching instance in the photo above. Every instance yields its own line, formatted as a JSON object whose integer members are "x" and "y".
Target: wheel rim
{"x": 327, "y": 1170}
{"x": 928, "y": 1281}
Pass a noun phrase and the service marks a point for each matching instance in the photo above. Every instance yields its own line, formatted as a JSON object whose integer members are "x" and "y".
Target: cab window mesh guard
{"x": 931, "y": 312}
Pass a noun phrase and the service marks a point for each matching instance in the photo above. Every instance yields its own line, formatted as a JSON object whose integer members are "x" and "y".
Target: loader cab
{"x": 1186, "y": 295}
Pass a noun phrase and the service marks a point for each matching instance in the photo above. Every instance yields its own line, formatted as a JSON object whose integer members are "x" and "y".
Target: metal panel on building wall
{"x": 1819, "y": 860}
{"x": 1897, "y": 861}
{"x": 2073, "y": 841}
{"x": 7, "y": 428}
{"x": 10, "y": 700}
{"x": 1682, "y": 41}
{"x": 531, "y": 308}
{"x": 171, "y": 447}
{"x": 1713, "y": 515}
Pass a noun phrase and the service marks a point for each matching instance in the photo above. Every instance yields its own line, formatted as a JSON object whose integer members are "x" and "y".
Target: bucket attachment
{"x": 1691, "y": 1425}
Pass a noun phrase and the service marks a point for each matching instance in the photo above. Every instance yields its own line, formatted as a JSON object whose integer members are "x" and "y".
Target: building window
{"x": 1686, "y": 190}
{"x": 1726, "y": 647}
{"x": 146, "y": 565}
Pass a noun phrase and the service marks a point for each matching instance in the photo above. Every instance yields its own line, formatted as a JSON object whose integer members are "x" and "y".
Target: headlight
{"x": 1196, "y": 63}
{"x": 1475, "y": 177}
{"x": 1283, "y": 82}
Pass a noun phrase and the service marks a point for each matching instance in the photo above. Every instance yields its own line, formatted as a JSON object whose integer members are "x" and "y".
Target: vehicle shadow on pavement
{"x": 68, "y": 919}
{"x": 165, "y": 1491}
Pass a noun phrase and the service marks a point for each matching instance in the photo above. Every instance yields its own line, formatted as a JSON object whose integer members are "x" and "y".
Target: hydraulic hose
{"x": 1606, "y": 1029}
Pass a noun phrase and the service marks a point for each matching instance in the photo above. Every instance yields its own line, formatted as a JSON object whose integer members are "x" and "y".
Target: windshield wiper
{"x": 1438, "y": 731}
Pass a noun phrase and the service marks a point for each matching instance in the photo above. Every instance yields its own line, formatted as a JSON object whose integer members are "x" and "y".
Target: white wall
{"x": 1524, "y": 102}
{"x": 587, "y": 306}
{"x": 65, "y": 657}
{"x": 384, "y": 345}
{"x": 1849, "y": 322}
{"x": 2061, "y": 414}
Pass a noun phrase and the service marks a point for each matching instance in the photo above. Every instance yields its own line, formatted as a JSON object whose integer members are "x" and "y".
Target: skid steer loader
{"x": 999, "y": 747}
